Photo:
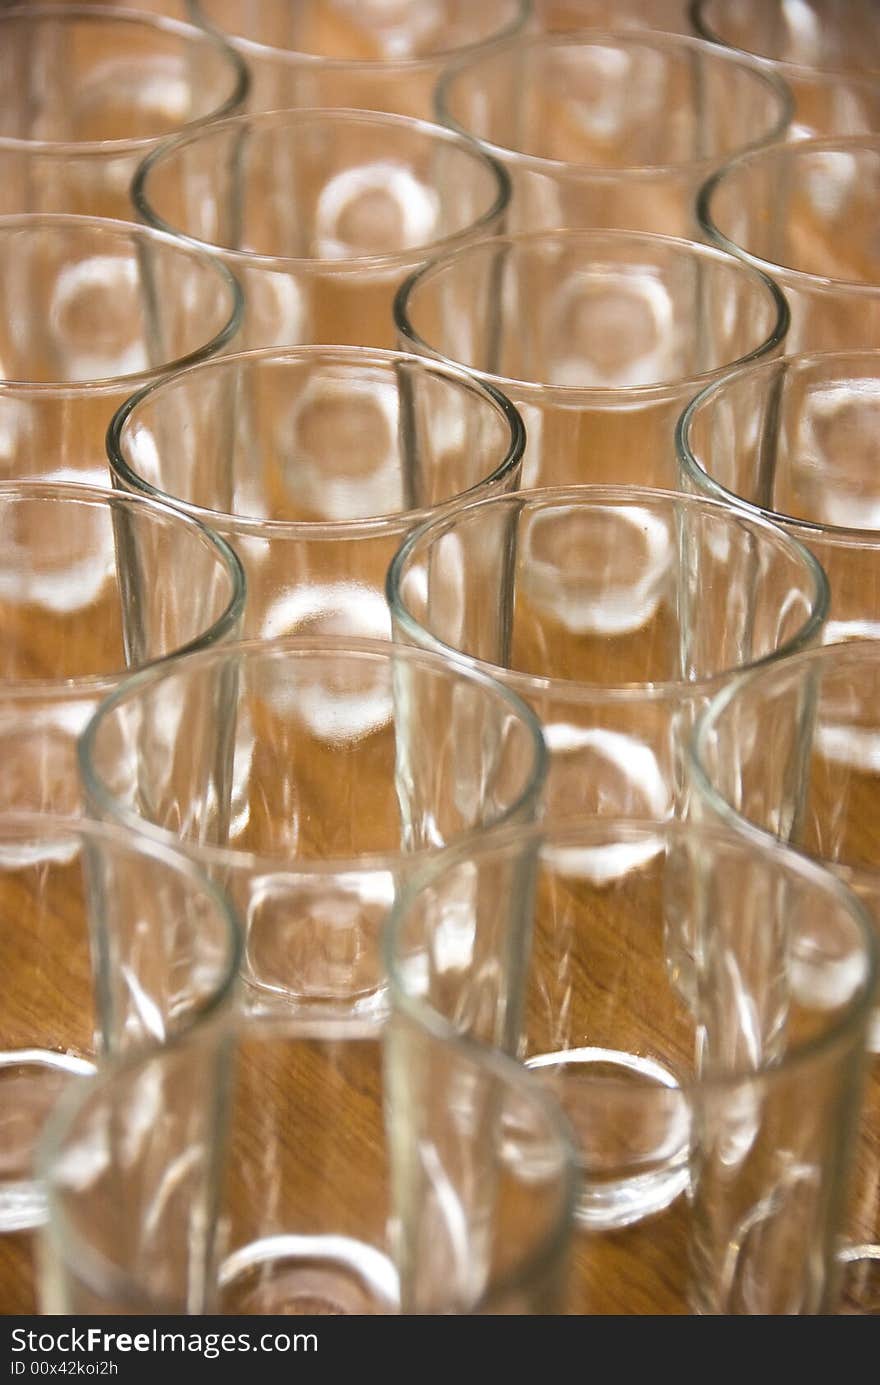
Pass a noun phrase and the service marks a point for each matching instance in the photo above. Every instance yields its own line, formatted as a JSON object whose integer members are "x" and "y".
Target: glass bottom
{"x": 860, "y": 1279}
{"x": 31, "y": 1080}
{"x": 633, "y": 1126}
{"x": 309, "y": 1275}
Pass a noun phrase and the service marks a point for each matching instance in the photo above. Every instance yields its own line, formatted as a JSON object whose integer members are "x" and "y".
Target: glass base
{"x": 860, "y": 1279}
{"x": 309, "y": 1275}
{"x": 31, "y": 1080}
{"x": 633, "y": 1126}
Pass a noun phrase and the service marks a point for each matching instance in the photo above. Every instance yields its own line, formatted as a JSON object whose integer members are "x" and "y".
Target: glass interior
{"x": 86, "y": 300}
{"x": 74, "y": 76}
{"x": 590, "y": 310}
{"x": 613, "y": 102}
{"x": 315, "y": 437}
{"x": 315, "y": 186}
{"x": 841, "y": 35}
{"x": 809, "y": 208}
{"x": 361, "y": 30}
{"x": 606, "y": 589}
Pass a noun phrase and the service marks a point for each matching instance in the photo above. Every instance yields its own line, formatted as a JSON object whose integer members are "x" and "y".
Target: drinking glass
{"x": 87, "y": 90}
{"x": 795, "y": 752}
{"x": 827, "y": 53}
{"x": 322, "y": 214}
{"x": 806, "y": 213}
{"x": 795, "y": 440}
{"x": 315, "y": 463}
{"x": 93, "y": 583}
{"x": 611, "y": 129}
{"x": 90, "y": 311}
{"x": 309, "y": 776}
{"x": 616, "y": 613}
{"x": 297, "y": 1159}
{"x": 599, "y": 338}
{"x": 366, "y": 54}
{"x": 109, "y": 943}
{"x": 713, "y": 1128}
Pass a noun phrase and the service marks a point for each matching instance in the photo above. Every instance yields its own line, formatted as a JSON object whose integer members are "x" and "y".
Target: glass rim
{"x": 786, "y": 274}
{"x": 572, "y": 691}
{"x": 97, "y": 1273}
{"x": 580, "y": 832}
{"x": 804, "y": 529}
{"x": 358, "y": 358}
{"x": 521, "y": 10}
{"x": 613, "y": 394}
{"x": 837, "y": 655}
{"x": 56, "y": 826}
{"x": 107, "y": 14}
{"x": 286, "y": 648}
{"x": 349, "y": 264}
{"x": 109, "y": 499}
{"x": 686, "y": 44}
{"x": 789, "y": 66}
{"x": 136, "y": 235}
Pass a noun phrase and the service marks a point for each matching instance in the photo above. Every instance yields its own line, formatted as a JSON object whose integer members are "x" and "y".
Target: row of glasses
{"x": 794, "y": 752}
{"x": 791, "y": 439}
{"x": 166, "y": 747}
{"x": 480, "y": 1179}
{"x": 99, "y": 312}
{"x": 135, "y": 785}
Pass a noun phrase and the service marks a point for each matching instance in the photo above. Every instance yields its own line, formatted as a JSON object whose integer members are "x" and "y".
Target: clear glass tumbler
{"x": 315, "y": 463}
{"x": 796, "y": 751}
{"x": 321, "y": 214}
{"x": 309, "y": 776}
{"x": 600, "y": 338}
{"x": 90, "y": 311}
{"x": 108, "y": 944}
{"x": 796, "y": 441}
{"x": 611, "y": 129}
{"x": 93, "y": 583}
{"x": 383, "y": 55}
{"x": 806, "y": 213}
{"x": 714, "y": 1125}
{"x": 296, "y": 1155}
{"x": 616, "y": 613}
{"x": 86, "y": 91}
{"x": 827, "y": 53}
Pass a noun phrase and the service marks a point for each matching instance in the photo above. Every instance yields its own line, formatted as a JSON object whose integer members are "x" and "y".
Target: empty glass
{"x": 616, "y": 613}
{"x": 807, "y": 214}
{"x": 827, "y": 53}
{"x": 92, "y": 584}
{"x": 303, "y": 1179}
{"x": 87, "y": 90}
{"x": 108, "y": 943}
{"x": 91, "y": 310}
{"x": 796, "y": 441}
{"x": 713, "y": 1125}
{"x": 309, "y": 776}
{"x": 315, "y": 463}
{"x": 383, "y": 55}
{"x": 616, "y": 129}
{"x": 321, "y": 214}
{"x": 795, "y": 751}
{"x": 599, "y": 338}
